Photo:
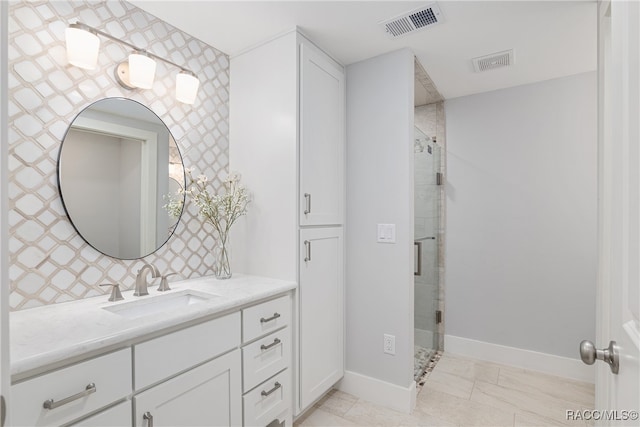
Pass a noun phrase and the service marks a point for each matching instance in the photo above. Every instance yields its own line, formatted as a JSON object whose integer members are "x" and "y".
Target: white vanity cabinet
{"x": 208, "y": 395}
{"x": 266, "y": 363}
{"x": 231, "y": 367}
{"x": 119, "y": 415}
{"x": 66, "y": 394}
{"x": 201, "y": 394}
{"x": 287, "y": 139}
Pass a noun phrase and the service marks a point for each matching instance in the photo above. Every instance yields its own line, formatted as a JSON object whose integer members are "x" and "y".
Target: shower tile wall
{"x": 49, "y": 261}
{"x": 429, "y": 222}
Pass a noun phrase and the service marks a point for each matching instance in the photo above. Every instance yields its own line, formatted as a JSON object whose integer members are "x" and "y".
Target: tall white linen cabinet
{"x": 287, "y": 140}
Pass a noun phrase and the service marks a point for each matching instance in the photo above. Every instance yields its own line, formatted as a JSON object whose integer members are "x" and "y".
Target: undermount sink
{"x": 147, "y": 306}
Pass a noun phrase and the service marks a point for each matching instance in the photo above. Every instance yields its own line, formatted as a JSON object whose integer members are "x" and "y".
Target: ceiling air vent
{"x": 410, "y": 22}
{"x": 493, "y": 61}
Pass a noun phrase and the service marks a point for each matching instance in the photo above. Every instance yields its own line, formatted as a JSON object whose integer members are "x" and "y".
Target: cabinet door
{"x": 321, "y": 139}
{"x": 321, "y": 294}
{"x": 209, "y": 395}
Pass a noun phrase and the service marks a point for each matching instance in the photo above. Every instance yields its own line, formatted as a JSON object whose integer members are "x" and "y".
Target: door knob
{"x": 589, "y": 354}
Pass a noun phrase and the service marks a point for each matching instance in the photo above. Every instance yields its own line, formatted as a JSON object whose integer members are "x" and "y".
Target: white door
{"x": 209, "y": 395}
{"x": 618, "y": 395}
{"x": 321, "y": 139}
{"x": 4, "y": 276}
{"x": 321, "y": 327}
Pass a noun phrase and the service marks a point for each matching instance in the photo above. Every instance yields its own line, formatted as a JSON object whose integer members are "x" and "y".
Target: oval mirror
{"x": 117, "y": 162}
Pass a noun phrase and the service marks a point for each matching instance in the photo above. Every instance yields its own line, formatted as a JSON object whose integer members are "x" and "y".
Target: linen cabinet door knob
{"x": 307, "y": 248}
{"x": 307, "y": 200}
{"x": 147, "y": 416}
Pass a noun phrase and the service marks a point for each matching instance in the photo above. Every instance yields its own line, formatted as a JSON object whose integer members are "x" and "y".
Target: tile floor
{"x": 421, "y": 358}
{"x": 466, "y": 392}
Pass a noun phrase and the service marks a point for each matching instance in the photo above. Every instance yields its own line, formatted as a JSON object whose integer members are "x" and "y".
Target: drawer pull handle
{"x": 269, "y": 319}
{"x": 147, "y": 416}
{"x": 307, "y": 199}
{"x": 276, "y": 386}
{"x": 52, "y": 404}
{"x": 273, "y": 344}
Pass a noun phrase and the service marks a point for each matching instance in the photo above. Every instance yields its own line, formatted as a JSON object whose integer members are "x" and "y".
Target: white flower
{"x": 219, "y": 210}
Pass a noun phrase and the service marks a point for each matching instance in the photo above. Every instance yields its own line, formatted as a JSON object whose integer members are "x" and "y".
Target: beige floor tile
{"x": 522, "y": 401}
{"x": 466, "y": 392}
{"x": 462, "y": 412}
{"x": 531, "y": 420}
{"x": 424, "y": 420}
{"x": 370, "y": 414}
{"x": 336, "y": 402}
{"x": 468, "y": 368}
{"x": 446, "y": 382}
{"x": 579, "y": 393}
{"x": 320, "y": 418}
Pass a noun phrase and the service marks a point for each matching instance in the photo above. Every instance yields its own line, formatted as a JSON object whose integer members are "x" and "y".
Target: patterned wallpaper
{"x": 49, "y": 261}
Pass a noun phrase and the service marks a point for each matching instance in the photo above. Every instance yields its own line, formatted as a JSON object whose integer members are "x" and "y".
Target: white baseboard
{"x": 401, "y": 399}
{"x": 526, "y": 359}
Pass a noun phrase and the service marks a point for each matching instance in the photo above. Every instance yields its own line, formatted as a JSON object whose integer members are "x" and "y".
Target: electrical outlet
{"x": 389, "y": 344}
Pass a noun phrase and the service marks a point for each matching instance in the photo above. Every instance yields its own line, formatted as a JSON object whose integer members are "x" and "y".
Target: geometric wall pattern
{"x": 49, "y": 261}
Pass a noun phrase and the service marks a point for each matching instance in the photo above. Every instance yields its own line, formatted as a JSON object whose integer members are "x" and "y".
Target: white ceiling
{"x": 550, "y": 38}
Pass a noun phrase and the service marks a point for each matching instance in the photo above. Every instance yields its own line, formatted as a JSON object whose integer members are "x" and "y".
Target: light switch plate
{"x": 386, "y": 233}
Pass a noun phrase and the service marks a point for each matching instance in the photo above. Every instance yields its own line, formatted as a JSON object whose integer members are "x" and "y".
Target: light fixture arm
{"x": 96, "y": 31}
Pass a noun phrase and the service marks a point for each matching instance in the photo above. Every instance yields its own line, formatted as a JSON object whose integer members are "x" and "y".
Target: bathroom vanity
{"x": 208, "y": 352}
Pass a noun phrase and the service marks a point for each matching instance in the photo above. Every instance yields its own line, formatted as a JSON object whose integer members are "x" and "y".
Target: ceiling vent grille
{"x": 412, "y": 21}
{"x": 493, "y": 61}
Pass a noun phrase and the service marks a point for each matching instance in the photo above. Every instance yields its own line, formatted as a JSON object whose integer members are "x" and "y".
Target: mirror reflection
{"x": 116, "y": 162}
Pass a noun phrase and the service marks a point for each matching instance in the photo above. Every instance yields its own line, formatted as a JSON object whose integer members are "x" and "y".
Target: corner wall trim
{"x": 402, "y": 399}
{"x": 526, "y": 359}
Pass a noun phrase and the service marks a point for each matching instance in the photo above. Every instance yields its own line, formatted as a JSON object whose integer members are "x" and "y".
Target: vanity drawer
{"x": 265, "y": 358}
{"x": 170, "y": 354}
{"x": 110, "y": 374}
{"x": 119, "y": 415}
{"x": 265, "y": 318}
{"x": 269, "y": 401}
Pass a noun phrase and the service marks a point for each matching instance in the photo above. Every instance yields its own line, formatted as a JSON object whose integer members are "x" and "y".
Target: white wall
{"x": 521, "y": 216}
{"x": 380, "y": 190}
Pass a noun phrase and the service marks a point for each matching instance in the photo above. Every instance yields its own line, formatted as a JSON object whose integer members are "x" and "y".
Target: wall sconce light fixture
{"x": 138, "y": 71}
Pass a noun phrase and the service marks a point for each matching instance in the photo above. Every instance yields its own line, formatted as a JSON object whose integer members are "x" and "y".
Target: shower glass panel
{"x": 427, "y": 200}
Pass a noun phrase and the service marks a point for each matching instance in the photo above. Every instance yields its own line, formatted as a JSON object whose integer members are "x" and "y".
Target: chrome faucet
{"x": 141, "y": 279}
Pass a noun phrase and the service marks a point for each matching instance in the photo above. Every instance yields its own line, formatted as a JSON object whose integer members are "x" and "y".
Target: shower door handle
{"x": 418, "y": 270}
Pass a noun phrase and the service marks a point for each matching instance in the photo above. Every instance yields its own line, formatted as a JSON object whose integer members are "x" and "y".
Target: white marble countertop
{"x": 45, "y": 336}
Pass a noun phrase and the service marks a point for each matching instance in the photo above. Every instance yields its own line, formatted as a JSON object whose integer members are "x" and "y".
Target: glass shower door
{"x": 427, "y": 206}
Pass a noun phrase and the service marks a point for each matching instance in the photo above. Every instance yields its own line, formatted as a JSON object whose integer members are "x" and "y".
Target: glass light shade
{"x": 82, "y": 48}
{"x": 186, "y": 87}
{"x": 142, "y": 70}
